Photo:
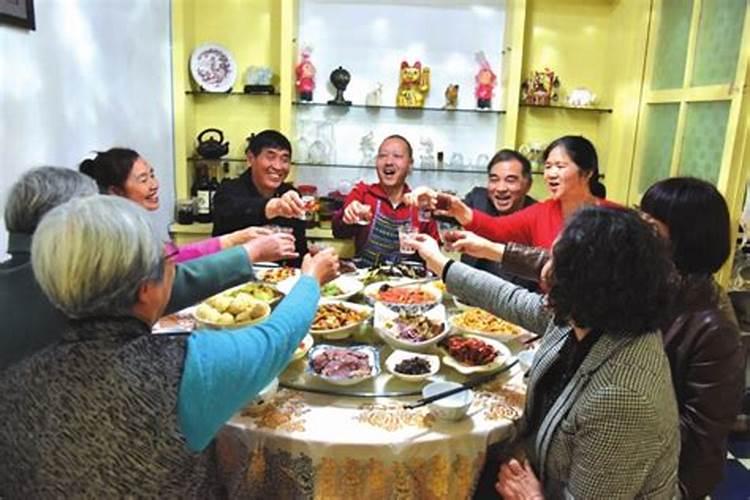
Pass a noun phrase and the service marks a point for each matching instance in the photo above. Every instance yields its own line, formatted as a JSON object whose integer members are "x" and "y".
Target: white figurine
{"x": 373, "y": 97}
{"x": 427, "y": 153}
{"x": 367, "y": 149}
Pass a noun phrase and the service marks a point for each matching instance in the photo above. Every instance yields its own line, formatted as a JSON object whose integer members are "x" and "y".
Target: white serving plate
{"x": 398, "y": 356}
{"x": 502, "y": 337}
{"x": 264, "y": 274}
{"x": 373, "y": 361}
{"x": 502, "y": 358}
{"x": 372, "y": 290}
{"x": 344, "y": 331}
{"x": 303, "y": 348}
{"x": 384, "y": 315}
{"x": 349, "y": 286}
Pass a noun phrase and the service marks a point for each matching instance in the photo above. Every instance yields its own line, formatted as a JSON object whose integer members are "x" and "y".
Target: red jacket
{"x": 537, "y": 225}
{"x": 369, "y": 194}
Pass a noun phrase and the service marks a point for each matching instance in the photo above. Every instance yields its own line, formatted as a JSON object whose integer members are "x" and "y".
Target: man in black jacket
{"x": 509, "y": 181}
{"x": 260, "y": 196}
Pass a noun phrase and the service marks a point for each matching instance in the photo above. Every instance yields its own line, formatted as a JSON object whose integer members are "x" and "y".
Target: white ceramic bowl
{"x": 348, "y": 285}
{"x": 344, "y": 331}
{"x": 373, "y": 361}
{"x": 303, "y": 348}
{"x": 452, "y": 407}
{"x": 526, "y": 358}
{"x": 263, "y": 398}
{"x": 384, "y": 317}
{"x": 398, "y": 356}
{"x": 371, "y": 292}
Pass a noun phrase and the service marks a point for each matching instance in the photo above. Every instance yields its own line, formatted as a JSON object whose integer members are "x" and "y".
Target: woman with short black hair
{"x": 600, "y": 418}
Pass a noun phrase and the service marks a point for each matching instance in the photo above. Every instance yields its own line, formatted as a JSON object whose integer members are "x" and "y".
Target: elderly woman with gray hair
{"x": 113, "y": 410}
{"x": 30, "y": 322}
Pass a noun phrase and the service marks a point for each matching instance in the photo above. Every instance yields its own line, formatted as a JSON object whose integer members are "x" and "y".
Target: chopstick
{"x": 420, "y": 281}
{"x": 466, "y": 385}
{"x": 531, "y": 339}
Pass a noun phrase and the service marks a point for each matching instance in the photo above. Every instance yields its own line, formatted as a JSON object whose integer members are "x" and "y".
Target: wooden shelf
{"x": 234, "y": 92}
{"x": 571, "y": 108}
{"x": 399, "y": 108}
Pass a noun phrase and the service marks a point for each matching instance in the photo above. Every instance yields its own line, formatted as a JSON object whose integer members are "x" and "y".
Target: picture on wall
{"x": 18, "y": 12}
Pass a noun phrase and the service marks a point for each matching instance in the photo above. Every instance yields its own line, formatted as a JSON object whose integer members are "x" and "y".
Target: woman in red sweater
{"x": 571, "y": 171}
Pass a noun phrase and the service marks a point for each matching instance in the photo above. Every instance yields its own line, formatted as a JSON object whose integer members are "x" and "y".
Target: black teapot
{"x": 212, "y": 148}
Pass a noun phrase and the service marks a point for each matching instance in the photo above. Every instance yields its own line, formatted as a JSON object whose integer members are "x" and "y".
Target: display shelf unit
{"x": 401, "y": 108}
{"x": 567, "y": 108}
{"x": 203, "y": 93}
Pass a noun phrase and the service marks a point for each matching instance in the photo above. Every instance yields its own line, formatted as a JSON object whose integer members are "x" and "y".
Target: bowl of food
{"x": 411, "y": 332}
{"x": 477, "y": 321}
{"x": 338, "y": 319}
{"x": 259, "y": 291}
{"x": 469, "y": 354}
{"x": 231, "y": 310}
{"x": 404, "y": 297}
{"x": 277, "y": 274}
{"x": 343, "y": 365}
{"x": 411, "y": 366}
{"x": 388, "y": 272}
{"x": 341, "y": 288}
{"x": 454, "y": 407}
{"x": 304, "y": 346}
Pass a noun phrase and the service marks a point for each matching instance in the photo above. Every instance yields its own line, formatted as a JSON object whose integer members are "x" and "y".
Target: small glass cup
{"x": 447, "y": 230}
{"x": 185, "y": 211}
{"x": 406, "y": 234}
{"x": 311, "y": 206}
{"x": 365, "y": 216}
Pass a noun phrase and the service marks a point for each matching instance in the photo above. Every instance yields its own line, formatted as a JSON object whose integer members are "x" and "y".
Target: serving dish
{"x": 386, "y": 322}
{"x": 402, "y": 296}
{"x": 213, "y": 68}
{"x": 352, "y": 360}
{"x": 398, "y": 357}
{"x": 477, "y": 321}
{"x": 231, "y": 310}
{"x": 452, "y": 407}
{"x": 331, "y": 322}
{"x": 304, "y": 346}
{"x": 276, "y": 275}
{"x": 341, "y": 288}
{"x": 501, "y": 357}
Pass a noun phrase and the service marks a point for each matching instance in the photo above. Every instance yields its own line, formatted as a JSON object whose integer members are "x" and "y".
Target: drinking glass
{"x": 406, "y": 234}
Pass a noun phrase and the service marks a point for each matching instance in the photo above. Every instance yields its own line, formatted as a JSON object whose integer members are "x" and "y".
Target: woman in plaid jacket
{"x": 601, "y": 418}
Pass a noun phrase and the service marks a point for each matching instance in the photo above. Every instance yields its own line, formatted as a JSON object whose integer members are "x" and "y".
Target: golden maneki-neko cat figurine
{"x": 415, "y": 83}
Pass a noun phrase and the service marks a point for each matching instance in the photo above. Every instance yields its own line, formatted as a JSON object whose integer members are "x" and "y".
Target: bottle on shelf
{"x": 213, "y": 185}
{"x": 202, "y": 192}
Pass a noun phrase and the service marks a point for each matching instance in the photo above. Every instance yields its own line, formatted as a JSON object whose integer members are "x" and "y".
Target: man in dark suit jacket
{"x": 260, "y": 196}
{"x": 509, "y": 181}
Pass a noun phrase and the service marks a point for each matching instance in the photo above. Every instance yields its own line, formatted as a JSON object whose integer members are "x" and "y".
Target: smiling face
{"x": 393, "y": 163}
{"x": 141, "y": 186}
{"x": 507, "y": 187}
{"x": 269, "y": 169}
{"x": 565, "y": 180}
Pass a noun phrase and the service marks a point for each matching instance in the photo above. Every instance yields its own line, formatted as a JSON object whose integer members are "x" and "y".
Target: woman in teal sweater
{"x": 114, "y": 410}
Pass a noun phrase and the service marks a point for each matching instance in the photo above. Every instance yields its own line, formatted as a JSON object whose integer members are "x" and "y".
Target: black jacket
{"x": 239, "y": 204}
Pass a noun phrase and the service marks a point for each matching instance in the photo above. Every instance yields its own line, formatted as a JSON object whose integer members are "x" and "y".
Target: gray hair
{"x": 40, "y": 190}
{"x": 90, "y": 255}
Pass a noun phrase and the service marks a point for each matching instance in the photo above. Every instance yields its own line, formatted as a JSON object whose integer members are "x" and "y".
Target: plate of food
{"x": 411, "y": 332}
{"x": 337, "y": 319}
{"x": 259, "y": 291}
{"x": 341, "y": 288}
{"x": 401, "y": 296}
{"x": 343, "y": 365}
{"x": 479, "y": 322}
{"x": 388, "y": 272}
{"x": 213, "y": 68}
{"x": 277, "y": 274}
{"x": 411, "y": 366}
{"x": 469, "y": 354}
{"x": 303, "y": 347}
{"x": 231, "y": 310}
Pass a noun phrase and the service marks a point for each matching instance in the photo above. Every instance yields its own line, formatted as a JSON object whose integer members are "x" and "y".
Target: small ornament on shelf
{"x": 340, "y": 79}
{"x": 373, "y": 98}
{"x": 258, "y": 80}
{"x": 367, "y": 149}
{"x": 540, "y": 89}
{"x": 414, "y": 85}
{"x": 211, "y": 145}
{"x": 486, "y": 81}
{"x": 305, "y": 72}
{"x": 533, "y": 151}
{"x": 451, "y": 96}
{"x": 581, "y": 97}
{"x": 427, "y": 153}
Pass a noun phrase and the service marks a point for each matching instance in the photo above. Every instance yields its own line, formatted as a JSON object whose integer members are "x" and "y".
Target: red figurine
{"x": 486, "y": 81}
{"x": 305, "y": 71}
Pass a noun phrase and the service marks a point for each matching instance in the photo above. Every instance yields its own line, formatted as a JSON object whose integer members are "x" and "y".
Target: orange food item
{"x": 404, "y": 295}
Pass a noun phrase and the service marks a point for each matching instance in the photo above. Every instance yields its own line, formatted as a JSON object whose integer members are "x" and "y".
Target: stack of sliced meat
{"x": 342, "y": 363}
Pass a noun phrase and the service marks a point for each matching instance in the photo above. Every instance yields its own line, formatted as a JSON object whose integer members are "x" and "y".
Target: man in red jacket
{"x": 372, "y": 213}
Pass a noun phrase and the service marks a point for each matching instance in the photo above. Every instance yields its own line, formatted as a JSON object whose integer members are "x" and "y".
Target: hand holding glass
{"x": 406, "y": 234}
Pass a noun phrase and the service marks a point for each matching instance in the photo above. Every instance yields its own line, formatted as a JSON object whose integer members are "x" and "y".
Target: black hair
{"x": 110, "y": 168}
{"x": 610, "y": 272}
{"x": 583, "y": 154}
{"x": 511, "y": 155}
{"x": 267, "y": 139}
{"x": 698, "y": 220}
{"x": 405, "y": 141}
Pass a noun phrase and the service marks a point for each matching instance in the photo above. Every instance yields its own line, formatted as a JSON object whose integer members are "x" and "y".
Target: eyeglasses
{"x": 171, "y": 250}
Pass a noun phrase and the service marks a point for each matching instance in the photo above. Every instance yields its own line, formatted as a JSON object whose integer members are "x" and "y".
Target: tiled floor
{"x": 736, "y": 483}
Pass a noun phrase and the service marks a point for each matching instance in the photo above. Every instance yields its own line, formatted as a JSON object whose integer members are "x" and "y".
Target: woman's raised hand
{"x": 242, "y": 236}
{"x": 323, "y": 266}
{"x": 476, "y": 246}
